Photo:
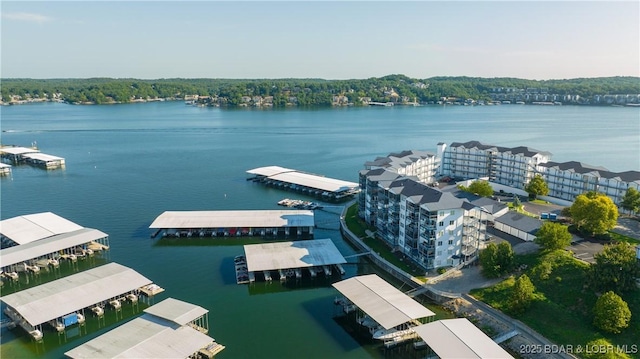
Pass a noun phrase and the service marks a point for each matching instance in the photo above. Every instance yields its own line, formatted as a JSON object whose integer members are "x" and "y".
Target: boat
{"x": 386, "y": 334}
{"x": 340, "y": 269}
{"x": 267, "y": 276}
{"x": 115, "y": 304}
{"x": 98, "y": 311}
{"x": 327, "y": 270}
{"x": 132, "y": 297}
{"x": 298, "y": 272}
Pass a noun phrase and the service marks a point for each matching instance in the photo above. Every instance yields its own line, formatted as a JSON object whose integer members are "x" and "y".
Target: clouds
{"x": 27, "y": 17}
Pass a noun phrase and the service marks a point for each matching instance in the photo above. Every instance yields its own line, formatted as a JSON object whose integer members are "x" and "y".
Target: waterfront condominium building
{"x": 434, "y": 228}
{"x": 421, "y": 164}
{"x": 567, "y": 180}
{"x": 509, "y": 166}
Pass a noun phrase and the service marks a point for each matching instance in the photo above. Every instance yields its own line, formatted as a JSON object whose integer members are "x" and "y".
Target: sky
{"x": 324, "y": 39}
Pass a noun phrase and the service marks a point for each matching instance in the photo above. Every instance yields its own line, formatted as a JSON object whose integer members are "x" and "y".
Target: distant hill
{"x": 392, "y": 89}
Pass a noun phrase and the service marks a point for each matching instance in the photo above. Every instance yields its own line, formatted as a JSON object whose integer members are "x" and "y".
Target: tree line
{"x": 303, "y": 92}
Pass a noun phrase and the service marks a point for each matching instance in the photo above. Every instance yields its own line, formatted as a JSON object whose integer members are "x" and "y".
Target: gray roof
{"x": 459, "y": 338}
{"x": 520, "y": 222}
{"x": 24, "y": 252}
{"x": 289, "y": 255}
{"x": 17, "y": 150}
{"x": 421, "y": 194}
{"x": 399, "y": 159}
{"x": 234, "y": 219}
{"x": 148, "y": 336}
{"x": 384, "y": 303}
{"x": 596, "y": 171}
{"x": 33, "y": 227}
{"x": 520, "y": 150}
{"x": 66, "y": 295}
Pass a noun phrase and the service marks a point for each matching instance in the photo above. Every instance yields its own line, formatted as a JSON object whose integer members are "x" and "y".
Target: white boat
{"x": 327, "y": 270}
{"x": 386, "y": 334}
{"x": 340, "y": 269}
{"x": 132, "y": 297}
{"x": 298, "y": 273}
{"x": 80, "y": 318}
{"x": 366, "y": 321}
{"x": 267, "y": 275}
{"x": 313, "y": 272}
{"x": 115, "y": 304}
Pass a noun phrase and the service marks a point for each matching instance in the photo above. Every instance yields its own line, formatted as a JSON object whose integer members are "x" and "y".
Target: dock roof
{"x": 33, "y": 227}
{"x": 176, "y": 311}
{"x": 66, "y": 295}
{"x": 383, "y": 302}
{"x": 288, "y": 175}
{"x": 459, "y": 338}
{"x": 24, "y": 252}
{"x": 17, "y": 150}
{"x": 4, "y": 165}
{"x": 234, "y": 219}
{"x": 43, "y": 157}
{"x": 288, "y": 255}
{"x": 148, "y": 336}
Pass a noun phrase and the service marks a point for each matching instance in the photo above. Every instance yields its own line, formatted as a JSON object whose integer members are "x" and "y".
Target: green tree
{"x": 553, "y": 236}
{"x": 631, "y": 200}
{"x": 489, "y": 261}
{"x": 521, "y": 295}
{"x": 611, "y": 313}
{"x": 616, "y": 269}
{"x": 537, "y": 187}
{"x": 496, "y": 260}
{"x": 481, "y": 188}
{"x": 594, "y": 213}
{"x": 505, "y": 257}
{"x": 595, "y": 350}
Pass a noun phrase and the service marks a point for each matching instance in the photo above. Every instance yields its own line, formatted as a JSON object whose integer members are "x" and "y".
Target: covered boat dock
{"x": 289, "y": 258}
{"x": 18, "y": 155}
{"x": 169, "y": 329}
{"x": 262, "y": 223}
{"x": 389, "y": 314}
{"x": 307, "y": 183}
{"x": 48, "y": 252}
{"x": 61, "y": 303}
{"x": 459, "y": 338}
{"x": 32, "y": 227}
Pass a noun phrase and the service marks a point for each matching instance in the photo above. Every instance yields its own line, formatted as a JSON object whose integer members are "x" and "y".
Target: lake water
{"x": 126, "y": 164}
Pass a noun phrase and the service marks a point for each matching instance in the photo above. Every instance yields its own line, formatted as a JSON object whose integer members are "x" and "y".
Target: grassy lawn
{"x": 358, "y": 227}
{"x": 520, "y": 210}
{"x": 622, "y": 238}
{"x": 562, "y": 309}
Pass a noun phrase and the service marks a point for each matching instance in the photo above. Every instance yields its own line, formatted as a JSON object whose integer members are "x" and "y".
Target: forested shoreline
{"x": 392, "y": 89}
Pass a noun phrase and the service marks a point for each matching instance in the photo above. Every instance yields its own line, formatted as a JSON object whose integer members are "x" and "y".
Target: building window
{"x": 451, "y": 233}
{"x": 441, "y": 213}
{"x": 450, "y": 252}
{"x": 451, "y": 223}
{"x": 450, "y": 241}
{"x": 438, "y": 253}
{"x": 452, "y": 212}
{"x": 439, "y": 243}
{"x": 441, "y": 223}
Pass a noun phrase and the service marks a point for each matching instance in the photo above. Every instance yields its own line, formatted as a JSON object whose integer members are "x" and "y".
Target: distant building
{"x": 509, "y": 166}
{"x": 567, "y": 180}
{"x": 421, "y": 164}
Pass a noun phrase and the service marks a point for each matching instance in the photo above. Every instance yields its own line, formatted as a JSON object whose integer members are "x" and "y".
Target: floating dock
{"x": 299, "y": 204}
{"x": 62, "y": 302}
{"x": 5, "y": 169}
{"x": 32, "y": 227}
{"x": 169, "y": 329}
{"x": 19, "y": 155}
{"x": 289, "y": 259}
{"x": 307, "y": 183}
{"x": 260, "y": 223}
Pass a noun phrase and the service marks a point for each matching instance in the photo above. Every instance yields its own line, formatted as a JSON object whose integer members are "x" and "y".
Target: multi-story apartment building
{"x": 434, "y": 228}
{"x": 421, "y": 164}
{"x": 509, "y": 166}
{"x": 567, "y": 180}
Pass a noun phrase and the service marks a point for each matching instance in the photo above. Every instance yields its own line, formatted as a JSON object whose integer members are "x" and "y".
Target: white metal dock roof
{"x": 17, "y": 150}
{"x": 32, "y": 227}
{"x": 384, "y": 303}
{"x": 288, "y": 175}
{"x": 286, "y": 255}
{"x": 66, "y": 295}
{"x": 144, "y": 337}
{"x": 4, "y": 165}
{"x": 24, "y": 252}
{"x": 269, "y": 171}
{"x": 313, "y": 181}
{"x": 459, "y": 338}
{"x": 176, "y": 311}
{"x": 234, "y": 219}
{"x": 43, "y": 157}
